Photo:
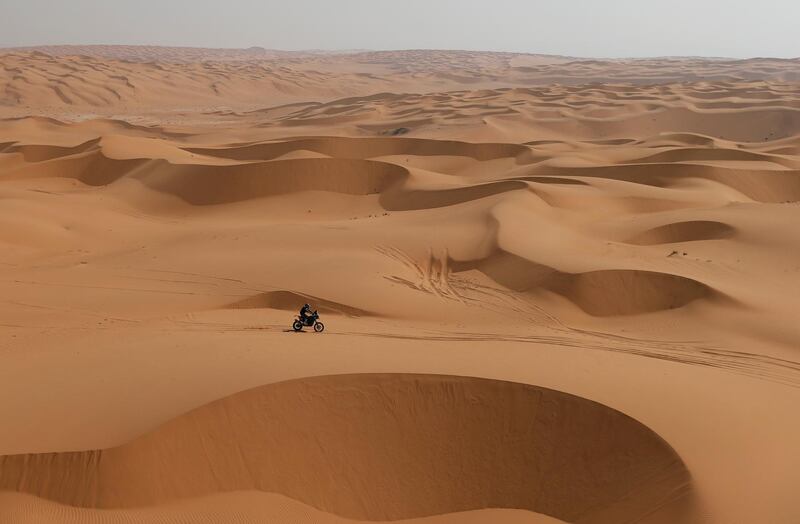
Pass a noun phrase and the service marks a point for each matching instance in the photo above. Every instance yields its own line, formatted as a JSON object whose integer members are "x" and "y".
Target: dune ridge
{"x": 634, "y": 292}
{"x": 689, "y": 231}
{"x": 129, "y": 79}
{"x": 290, "y": 301}
{"x": 458, "y": 173}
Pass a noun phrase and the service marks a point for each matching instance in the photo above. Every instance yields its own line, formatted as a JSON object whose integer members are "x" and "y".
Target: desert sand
{"x": 554, "y": 289}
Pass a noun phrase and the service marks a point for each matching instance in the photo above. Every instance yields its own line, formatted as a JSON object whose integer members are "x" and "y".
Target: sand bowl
{"x": 382, "y": 447}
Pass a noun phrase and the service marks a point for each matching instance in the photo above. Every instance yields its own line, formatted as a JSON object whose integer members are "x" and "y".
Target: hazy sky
{"x": 599, "y": 28}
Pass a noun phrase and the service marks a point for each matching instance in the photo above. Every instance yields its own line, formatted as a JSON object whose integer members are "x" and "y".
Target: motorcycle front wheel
{"x": 319, "y": 327}
{"x": 297, "y": 325}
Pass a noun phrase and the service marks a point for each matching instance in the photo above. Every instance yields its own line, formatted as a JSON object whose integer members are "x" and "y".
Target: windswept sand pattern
{"x": 126, "y": 80}
{"x": 576, "y": 112}
{"x": 144, "y": 53}
{"x": 641, "y": 201}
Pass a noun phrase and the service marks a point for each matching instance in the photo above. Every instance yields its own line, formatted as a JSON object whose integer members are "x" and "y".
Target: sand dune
{"x": 684, "y": 232}
{"x": 668, "y": 174}
{"x": 141, "y": 53}
{"x": 415, "y": 174}
{"x": 554, "y": 289}
{"x": 129, "y": 80}
{"x": 372, "y": 434}
{"x": 599, "y": 293}
{"x": 288, "y": 301}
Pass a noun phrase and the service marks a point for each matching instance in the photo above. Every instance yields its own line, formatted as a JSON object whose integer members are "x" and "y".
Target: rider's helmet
{"x": 306, "y": 306}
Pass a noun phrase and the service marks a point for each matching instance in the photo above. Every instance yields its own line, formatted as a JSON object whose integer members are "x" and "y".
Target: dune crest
{"x": 290, "y": 301}
{"x": 684, "y": 232}
{"x": 598, "y": 293}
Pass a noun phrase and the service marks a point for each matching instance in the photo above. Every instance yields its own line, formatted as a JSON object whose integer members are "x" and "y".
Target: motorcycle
{"x": 300, "y": 322}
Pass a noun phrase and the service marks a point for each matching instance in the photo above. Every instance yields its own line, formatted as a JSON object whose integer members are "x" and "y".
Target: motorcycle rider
{"x": 306, "y": 314}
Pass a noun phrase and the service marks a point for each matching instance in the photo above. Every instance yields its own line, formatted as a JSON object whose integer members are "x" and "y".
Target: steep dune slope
{"x": 382, "y": 447}
{"x": 513, "y": 185}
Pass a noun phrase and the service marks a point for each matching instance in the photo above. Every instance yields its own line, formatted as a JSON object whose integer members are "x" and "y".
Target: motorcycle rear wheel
{"x": 297, "y": 325}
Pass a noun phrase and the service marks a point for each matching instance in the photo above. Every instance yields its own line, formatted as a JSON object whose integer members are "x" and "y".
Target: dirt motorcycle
{"x": 313, "y": 320}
